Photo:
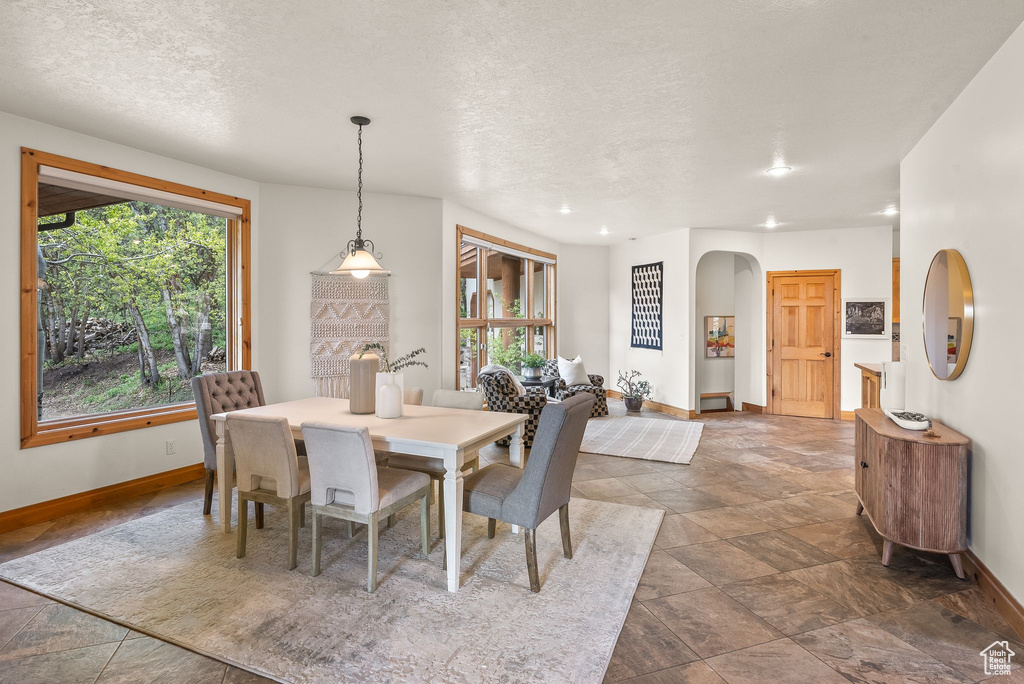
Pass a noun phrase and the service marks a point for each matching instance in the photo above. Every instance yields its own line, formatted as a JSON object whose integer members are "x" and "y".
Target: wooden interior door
{"x": 804, "y": 350}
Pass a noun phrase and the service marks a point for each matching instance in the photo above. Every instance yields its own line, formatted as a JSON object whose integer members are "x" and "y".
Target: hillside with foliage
{"x": 132, "y": 305}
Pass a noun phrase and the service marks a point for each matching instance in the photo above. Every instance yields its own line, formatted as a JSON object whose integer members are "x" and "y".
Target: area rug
{"x": 650, "y": 439}
{"x": 174, "y": 576}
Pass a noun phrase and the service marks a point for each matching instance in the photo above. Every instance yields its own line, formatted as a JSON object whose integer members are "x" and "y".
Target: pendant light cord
{"x": 359, "y": 191}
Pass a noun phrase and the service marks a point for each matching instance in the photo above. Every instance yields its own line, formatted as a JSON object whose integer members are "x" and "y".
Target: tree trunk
{"x": 69, "y": 347}
{"x": 144, "y": 343}
{"x": 57, "y": 339}
{"x": 204, "y": 336}
{"x": 80, "y": 344}
{"x": 179, "y": 336}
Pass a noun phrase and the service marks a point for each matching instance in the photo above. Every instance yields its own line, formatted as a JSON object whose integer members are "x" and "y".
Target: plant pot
{"x": 633, "y": 403}
{"x": 362, "y": 394}
{"x": 532, "y": 373}
{"x": 390, "y": 393}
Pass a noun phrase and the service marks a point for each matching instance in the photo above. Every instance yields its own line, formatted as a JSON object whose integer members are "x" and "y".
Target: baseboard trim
{"x": 753, "y": 408}
{"x": 659, "y": 407}
{"x": 76, "y": 503}
{"x": 1001, "y": 599}
{"x": 848, "y": 415}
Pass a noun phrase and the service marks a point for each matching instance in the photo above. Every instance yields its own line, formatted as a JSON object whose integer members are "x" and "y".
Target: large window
{"x": 506, "y": 299}
{"x": 130, "y": 287}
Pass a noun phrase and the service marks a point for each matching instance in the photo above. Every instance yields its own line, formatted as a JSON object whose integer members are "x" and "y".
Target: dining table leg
{"x": 515, "y": 456}
{"x": 225, "y": 474}
{"x": 453, "y": 491}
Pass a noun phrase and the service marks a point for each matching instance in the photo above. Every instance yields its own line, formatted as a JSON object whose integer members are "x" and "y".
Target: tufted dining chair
{"x": 220, "y": 393}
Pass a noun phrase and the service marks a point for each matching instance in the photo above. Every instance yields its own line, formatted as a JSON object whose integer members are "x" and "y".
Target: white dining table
{"x": 445, "y": 434}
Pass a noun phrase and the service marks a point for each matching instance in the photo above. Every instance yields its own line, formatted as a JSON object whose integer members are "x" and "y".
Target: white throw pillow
{"x": 573, "y": 371}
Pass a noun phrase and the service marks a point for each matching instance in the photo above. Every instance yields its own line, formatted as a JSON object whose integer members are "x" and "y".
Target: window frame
{"x": 239, "y": 290}
{"x": 481, "y": 322}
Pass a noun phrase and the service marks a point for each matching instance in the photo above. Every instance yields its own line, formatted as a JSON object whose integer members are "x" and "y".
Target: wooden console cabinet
{"x": 913, "y": 488}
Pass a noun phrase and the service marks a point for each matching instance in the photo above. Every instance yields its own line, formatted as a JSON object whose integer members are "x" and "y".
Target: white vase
{"x": 390, "y": 392}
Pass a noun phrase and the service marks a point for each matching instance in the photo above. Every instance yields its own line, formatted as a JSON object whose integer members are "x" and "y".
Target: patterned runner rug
{"x": 174, "y": 575}
{"x": 650, "y": 439}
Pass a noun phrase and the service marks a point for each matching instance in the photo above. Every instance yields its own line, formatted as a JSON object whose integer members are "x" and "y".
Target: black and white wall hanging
{"x": 647, "y": 306}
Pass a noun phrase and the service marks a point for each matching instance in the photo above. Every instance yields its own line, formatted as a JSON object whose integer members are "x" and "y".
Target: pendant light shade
{"x": 360, "y": 261}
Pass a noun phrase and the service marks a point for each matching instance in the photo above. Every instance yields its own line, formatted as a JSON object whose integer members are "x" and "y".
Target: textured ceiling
{"x": 644, "y": 116}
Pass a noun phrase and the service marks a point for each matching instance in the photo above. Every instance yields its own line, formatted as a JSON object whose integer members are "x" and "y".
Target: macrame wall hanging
{"x": 345, "y": 314}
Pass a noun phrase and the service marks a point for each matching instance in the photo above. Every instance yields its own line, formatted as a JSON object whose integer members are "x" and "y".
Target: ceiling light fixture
{"x": 777, "y": 171}
{"x": 565, "y": 209}
{"x": 604, "y": 230}
{"x": 891, "y": 210}
{"x": 359, "y": 260}
{"x": 771, "y": 222}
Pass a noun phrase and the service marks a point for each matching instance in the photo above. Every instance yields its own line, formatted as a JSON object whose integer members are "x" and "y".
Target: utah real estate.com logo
{"x": 997, "y": 658}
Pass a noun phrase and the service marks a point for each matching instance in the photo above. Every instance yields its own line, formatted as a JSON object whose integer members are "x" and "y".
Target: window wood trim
{"x": 239, "y": 276}
{"x": 481, "y": 322}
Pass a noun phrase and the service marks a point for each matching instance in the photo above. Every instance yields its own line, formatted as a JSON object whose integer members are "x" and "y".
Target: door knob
{"x": 825, "y": 354}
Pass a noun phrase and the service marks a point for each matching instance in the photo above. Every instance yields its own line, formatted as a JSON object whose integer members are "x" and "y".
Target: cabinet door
{"x": 870, "y": 478}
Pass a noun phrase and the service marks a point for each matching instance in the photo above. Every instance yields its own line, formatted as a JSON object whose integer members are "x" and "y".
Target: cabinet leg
{"x": 958, "y": 565}
{"x": 886, "y": 552}
{"x": 860, "y": 508}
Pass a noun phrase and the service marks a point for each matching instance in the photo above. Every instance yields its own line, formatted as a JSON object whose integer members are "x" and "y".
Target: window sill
{"x": 74, "y": 429}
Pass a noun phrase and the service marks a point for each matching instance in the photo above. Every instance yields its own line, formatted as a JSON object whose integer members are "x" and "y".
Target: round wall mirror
{"x": 948, "y": 319}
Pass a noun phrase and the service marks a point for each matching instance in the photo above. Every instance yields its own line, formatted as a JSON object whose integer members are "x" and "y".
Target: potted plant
{"x": 634, "y": 390}
{"x": 533, "y": 365}
{"x": 390, "y": 380}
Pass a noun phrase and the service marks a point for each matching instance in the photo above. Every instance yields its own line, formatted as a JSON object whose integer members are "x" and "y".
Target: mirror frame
{"x": 954, "y": 260}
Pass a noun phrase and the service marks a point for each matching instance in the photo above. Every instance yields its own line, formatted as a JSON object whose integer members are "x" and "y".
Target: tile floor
{"x": 762, "y": 572}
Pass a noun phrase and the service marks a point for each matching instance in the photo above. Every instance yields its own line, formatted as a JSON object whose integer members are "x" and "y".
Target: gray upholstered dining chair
{"x": 348, "y": 484}
{"x": 219, "y": 393}
{"x": 473, "y": 401}
{"x": 269, "y": 471}
{"x": 526, "y": 497}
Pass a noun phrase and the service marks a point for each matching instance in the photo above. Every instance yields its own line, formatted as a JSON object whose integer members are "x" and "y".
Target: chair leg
{"x": 302, "y": 514}
{"x": 293, "y": 533}
{"x": 391, "y": 520}
{"x": 259, "y": 515}
{"x": 563, "y": 519}
{"x": 351, "y": 528}
{"x": 440, "y": 509}
{"x": 243, "y": 524}
{"x": 318, "y": 541}
{"x": 425, "y": 524}
{"x": 371, "y": 553}
{"x": 530, "y": 537}
{"x": 490, "y": 527}
{"x": 208, "y": 496}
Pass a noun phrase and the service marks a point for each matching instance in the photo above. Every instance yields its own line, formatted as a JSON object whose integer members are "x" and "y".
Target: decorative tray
{"x": 909, "y": 420}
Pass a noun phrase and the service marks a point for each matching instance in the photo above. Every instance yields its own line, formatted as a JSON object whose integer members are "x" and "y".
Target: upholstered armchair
{"x": 502, "y": 396}
{"x": 563, "y": 391}
{"x": 526, "y": 497}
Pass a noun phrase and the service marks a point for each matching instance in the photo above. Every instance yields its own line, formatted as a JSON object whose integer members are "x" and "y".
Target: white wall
{"x": 715, "y": 296}
{"x": 962, "y": 187}
{"x": 864, "y": 255}
{"x": 49, "y": 472}
{"x": 669, "y": 369}
{"x": 302, "y": 229}
{"x": 583, "y": 307}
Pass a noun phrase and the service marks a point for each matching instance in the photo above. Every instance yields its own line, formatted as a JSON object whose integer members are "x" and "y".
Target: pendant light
{"x": 360, "y": 261}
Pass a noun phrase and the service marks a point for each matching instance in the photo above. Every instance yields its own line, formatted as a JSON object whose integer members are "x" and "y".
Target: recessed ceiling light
{"x": 604, "y": 230}
{"x": 771, "y": 222}
{"x": 891, "y": 210}
{"x": 565, "y": 209}
{"x": 777, "y": 171}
